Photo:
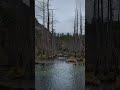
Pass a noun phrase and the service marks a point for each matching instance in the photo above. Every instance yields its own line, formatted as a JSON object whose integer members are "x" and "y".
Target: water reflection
{"x": 60, "y": 76}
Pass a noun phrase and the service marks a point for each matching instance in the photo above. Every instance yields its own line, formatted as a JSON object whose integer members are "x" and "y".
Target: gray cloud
{"x": 64, "y": 13}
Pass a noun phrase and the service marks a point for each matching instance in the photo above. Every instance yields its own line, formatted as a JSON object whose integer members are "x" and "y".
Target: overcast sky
{"x": 64, "y": 13}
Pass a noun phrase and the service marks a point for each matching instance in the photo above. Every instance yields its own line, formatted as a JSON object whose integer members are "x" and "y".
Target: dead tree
{"x": 76, "y": 32}
{"x": 52, "y": 34}
{"x": 48, "y": 25}
{"x": 81, "y": 38}
{"x": 43, "y": 13}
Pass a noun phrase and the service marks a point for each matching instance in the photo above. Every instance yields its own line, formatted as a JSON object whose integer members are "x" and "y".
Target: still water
{"x": 60, "y": 76}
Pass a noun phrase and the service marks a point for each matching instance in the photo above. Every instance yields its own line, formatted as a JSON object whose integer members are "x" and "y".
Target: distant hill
{"x": 37, "y": 23}
{"x": 40, "y": 38}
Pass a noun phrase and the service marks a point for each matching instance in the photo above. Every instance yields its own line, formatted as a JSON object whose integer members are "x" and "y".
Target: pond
{"x": 59, "y": 76}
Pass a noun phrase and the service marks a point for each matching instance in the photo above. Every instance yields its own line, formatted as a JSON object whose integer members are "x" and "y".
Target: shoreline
{"x": 54, "y": 61}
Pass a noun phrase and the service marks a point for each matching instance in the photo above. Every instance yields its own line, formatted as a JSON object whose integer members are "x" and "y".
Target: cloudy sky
{"x": 64, "y": 13}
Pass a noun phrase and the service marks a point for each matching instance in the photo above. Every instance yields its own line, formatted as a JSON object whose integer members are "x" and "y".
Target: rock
{"x": 72, "y": 60}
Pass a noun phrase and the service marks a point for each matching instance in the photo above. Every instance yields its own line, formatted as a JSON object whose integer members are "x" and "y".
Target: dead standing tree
{"x": 81, "y": 36}
{"x": 43, "y": 30}
{"x": 45, "y": 47}
{"x": 42, "y": 7}
{"x": 53, "y": 45}
{"x": 75, "y": 35}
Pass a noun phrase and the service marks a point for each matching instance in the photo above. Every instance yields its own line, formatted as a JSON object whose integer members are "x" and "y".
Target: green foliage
{"x": 66, "y": 37}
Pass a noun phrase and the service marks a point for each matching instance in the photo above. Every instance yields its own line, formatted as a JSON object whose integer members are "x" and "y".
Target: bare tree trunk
{"x": 42, "y": 31}
{"x": 48, "y": 27}
{"x": 43, "y": 13}
{"x": 80, "y": 41}
{"x": 52, "y": 36}
{"x": 74, "y": 35}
